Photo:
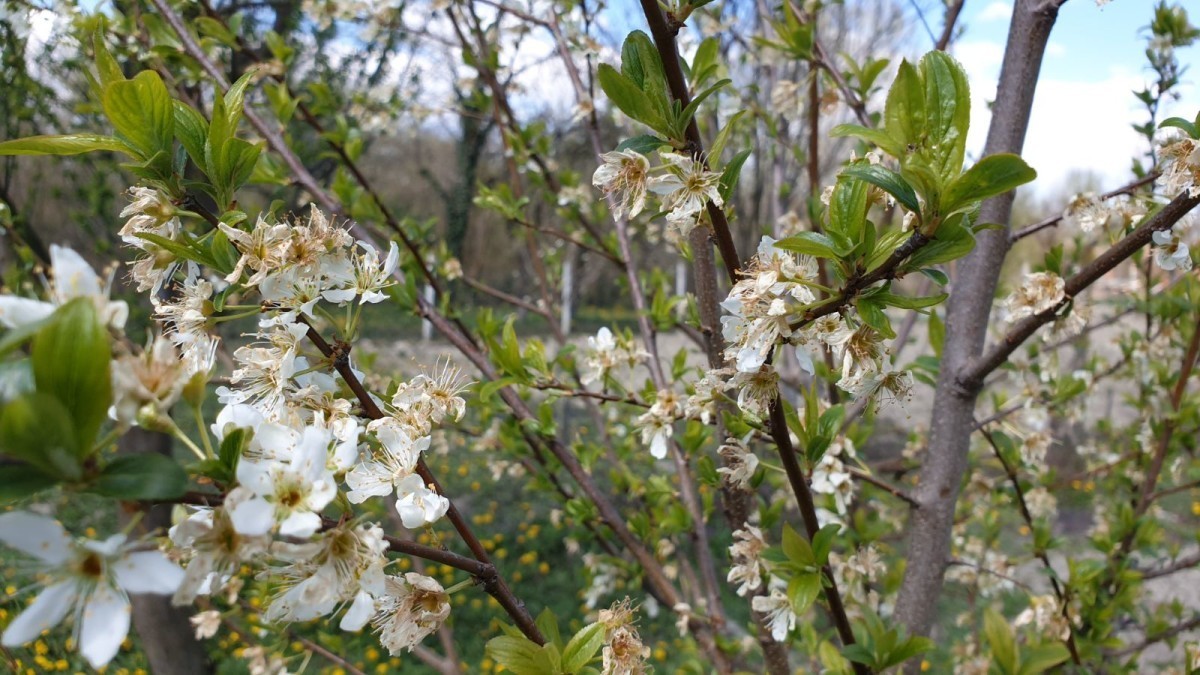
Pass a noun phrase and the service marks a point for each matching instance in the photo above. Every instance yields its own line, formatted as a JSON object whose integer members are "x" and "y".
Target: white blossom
{"x": 89, "y": 580}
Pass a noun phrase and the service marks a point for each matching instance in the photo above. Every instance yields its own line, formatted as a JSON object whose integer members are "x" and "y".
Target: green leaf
{"x": 823, "y": 542}
{"x": 141, "y": 111}
{"x": 887, "y": 180}
{"x": 936, "y": 276}
{"x": 582, "y": 647}
{"x": 18, "y": 481}
{"x": 238, "y": 157}
{"x": 848, "y": 208}
{"x": 879, "y": 138}
{"x": 1180, "y": 123}
{"x": 644, "y": 144}
{"x": 937, "y": 333}
{"x": 904, "y": 111}
{"x": 641, "y": 64}
{"x": 731, "y": 174}
{"x": 803, "y": 589}
{"x": 179, "y": 250}
{"x": 106, "y": 66}
{"x": 906, "y": 302}
{"x": 547, "y": 623}
{"x": 1036, "y": 660}
{"x": 141, "y": 476}
{"x": 796, "y": 547}
{"x": 71, "y": 358}
{"x": 37, "y": 429}
{"x": 951, "y": 242}
{"x": 992, "y": 175}
{"x": 191, "y": 129}
{"x": 948, "y": 112}
{"x": 685, "y": 116}
{"x": 232, "y": 446}
{"x": 810, "y": 243}
{"x": 518, "y": 654}
{"x": 69, "y": 144}
{"x": 718, "y": 145}
{"x": 871, "y": 312}
{"x": 629, "y": 98}
{"x": 1000, "y": 638}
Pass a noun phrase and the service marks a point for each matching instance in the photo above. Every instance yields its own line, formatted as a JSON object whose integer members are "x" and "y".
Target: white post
{"x": 426, "y": 327}
{"x": 681, "y": 285}
{"x": 568, "y": 286}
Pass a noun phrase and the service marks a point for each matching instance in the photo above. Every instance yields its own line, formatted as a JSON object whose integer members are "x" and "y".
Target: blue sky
{"x": 1084, "y": 104}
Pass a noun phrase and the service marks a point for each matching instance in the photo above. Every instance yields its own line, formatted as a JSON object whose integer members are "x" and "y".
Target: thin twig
{"x": 1129, "y": 188}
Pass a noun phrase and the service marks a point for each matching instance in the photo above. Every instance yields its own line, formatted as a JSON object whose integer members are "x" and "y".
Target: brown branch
{"x": 1059, "y": 592}
{"x": 1179, "y": 565}
{"x": 1167, "y": 634}
{"x": 1127, "y": 189}
{"x": 972, "y": 377}
{"x": 339, "y": 354}
{"x": 952, "y": 12}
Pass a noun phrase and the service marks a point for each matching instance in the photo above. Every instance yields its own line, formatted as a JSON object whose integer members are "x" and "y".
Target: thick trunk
{"x": 166, "y": 635}
{"x": 970, "y": 305}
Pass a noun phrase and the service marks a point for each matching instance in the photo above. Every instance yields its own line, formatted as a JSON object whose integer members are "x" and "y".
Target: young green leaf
{"x": 887, "y": 180}
{"x": 71, "y": 362}
{"x": 69, "y": 144}
{"x": 18, "y": 481}
{"x": 992, "y": 175}
{"x": 582, "y": 647}
{"x": 37, "y": 429}
{"x": 815, "y": 244}
{"x": 141, "y": 111}
{"x": 141, "y": 476}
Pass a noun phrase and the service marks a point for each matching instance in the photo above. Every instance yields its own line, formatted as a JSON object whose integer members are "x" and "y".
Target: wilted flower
{"x": 624, "y": 653}
{"x": 777, "y": 608}
{"x": 748, "y": 567}
{"x": 624, "y": 175}
{"x": 153, "y": 378}
{"x": 411, "y": 608}
{"x": 740, "y": 463}
{"x": 206, "y": 623}
{"x": 1179, "y": 159}
{"x": 1040, "y": 292}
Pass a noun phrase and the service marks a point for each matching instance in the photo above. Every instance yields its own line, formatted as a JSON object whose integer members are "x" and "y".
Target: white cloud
{"x": 1076, "y": 126}
{"x": 1055, "y": 49}
{"x": 996, "y": 11}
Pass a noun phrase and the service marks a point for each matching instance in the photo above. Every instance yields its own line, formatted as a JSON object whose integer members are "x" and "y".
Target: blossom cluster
{"x": 762, "y": 312}
{"x": 299, "y": 436}
{"x": 684, "y": 186}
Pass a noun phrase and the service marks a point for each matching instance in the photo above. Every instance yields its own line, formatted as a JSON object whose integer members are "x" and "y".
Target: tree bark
{"x": 166, "y": 635}
{"x": 970, "y": 305}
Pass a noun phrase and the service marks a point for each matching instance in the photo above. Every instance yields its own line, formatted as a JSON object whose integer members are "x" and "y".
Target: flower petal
{"x": 253, "y": 517}
{"x": 359, "y": 613}
{"x": 46, "y": 611}
{"x": 147, "y": 572}
{"x": 39, "y": 536}
{"x": 105, "y": 625}
{"x": 17, "y": 311}
{"x": 301, "y": 524}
